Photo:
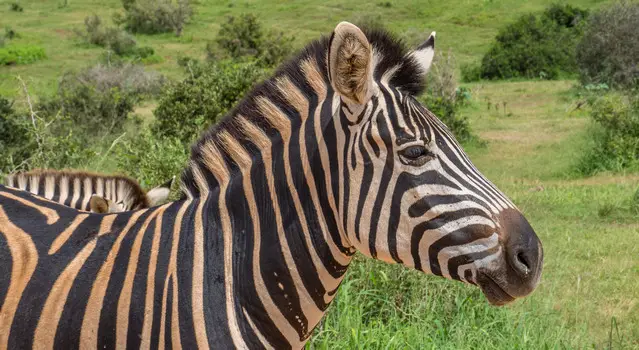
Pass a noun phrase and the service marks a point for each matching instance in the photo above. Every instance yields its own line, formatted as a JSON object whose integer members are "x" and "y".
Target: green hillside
{"x": 589, "y": 294}
{"x": 465, "y": 27}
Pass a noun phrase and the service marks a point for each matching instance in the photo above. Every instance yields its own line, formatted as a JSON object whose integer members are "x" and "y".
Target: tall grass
{"x": 380, "y": 306}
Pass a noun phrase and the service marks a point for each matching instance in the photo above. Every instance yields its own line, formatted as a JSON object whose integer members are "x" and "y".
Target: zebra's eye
{"x": 416, "y": 155}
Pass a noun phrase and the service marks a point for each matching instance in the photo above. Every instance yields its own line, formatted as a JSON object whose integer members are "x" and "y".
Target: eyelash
{"x": 416, "y": 155}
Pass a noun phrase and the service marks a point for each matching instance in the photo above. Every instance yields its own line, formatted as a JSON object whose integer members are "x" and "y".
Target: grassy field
{"x": 589, "y": 295}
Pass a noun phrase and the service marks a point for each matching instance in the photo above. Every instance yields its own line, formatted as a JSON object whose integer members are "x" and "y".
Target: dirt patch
{"x": 63, "y": 33}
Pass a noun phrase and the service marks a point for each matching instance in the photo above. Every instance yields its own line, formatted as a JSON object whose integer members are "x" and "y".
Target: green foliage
{"x": 10, "y": 33}
{"x": 244, "y": 37}
{"x": 444, "y": 97}
{"x": 15, "y": 7}
{"x": 155, "y": 16}
{"x": 187, "y": 108}
{"x": 111, "y": 38}
{"x": 99, "y": 99}
{"x": 15, "y": 144}
{"x": 151, "y": 160}
{"x": 615, "y": 138}
{"x": 609, "y": 50}
{"x": 20, "y": 54}
{"x": 534, "y": 46}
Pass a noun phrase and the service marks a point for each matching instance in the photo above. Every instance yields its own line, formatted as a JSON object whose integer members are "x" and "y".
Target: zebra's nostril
{"x": 523, "y": 263}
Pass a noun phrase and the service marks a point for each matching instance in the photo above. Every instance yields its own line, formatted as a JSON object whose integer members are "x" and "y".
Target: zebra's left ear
{"x": 423, "y": 55}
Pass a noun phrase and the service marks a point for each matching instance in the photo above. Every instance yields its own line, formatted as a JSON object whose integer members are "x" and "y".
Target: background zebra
{"x": 330, "y": 156}
{"x": 94, "y": 192}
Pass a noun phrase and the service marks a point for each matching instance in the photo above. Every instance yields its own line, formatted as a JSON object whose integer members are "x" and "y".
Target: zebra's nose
{"x": 522, "y": 247}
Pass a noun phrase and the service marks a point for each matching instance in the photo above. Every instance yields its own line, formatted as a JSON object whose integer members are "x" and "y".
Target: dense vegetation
{"x": 111, "y": 109}
{"x": 608, "y": 58}
{"x": 534, "y": 46}
{"x": 609, "y": 51}
{"x": 20, "y": 54}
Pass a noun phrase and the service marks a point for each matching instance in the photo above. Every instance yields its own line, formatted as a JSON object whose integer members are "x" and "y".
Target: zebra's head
{"x": 411, "y": 194}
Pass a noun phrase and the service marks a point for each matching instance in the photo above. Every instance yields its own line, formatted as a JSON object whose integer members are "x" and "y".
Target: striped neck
{"x": 275, "y": 181}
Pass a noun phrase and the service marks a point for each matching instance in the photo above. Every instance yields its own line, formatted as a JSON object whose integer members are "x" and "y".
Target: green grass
{"x": 589, "y": 294}
{"x": 467, "y": 28}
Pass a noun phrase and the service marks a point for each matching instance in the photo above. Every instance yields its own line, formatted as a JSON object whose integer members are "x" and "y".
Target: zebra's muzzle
{"x": 516, "y": 272}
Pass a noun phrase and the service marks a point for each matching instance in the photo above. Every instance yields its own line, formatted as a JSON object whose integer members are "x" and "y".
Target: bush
{"x": 15, "y": 144}
{"x": 99, "y": 99}
{"x": 444, "y": 97}
{"x": 155, "y": 16}
{"x": 609, "y": 50}
{"x": 23, "y": 54}
{"x": 534, "y": 46}
{"x": 10, "y": 33}
{"x": 187, "y": 108}
{"x": 615, "y": 138}
{"x": 151, "y": 160}
{"x": 15, "y": 7}
{"x": 111, "y": 38}
{"x": 244, "y": 36}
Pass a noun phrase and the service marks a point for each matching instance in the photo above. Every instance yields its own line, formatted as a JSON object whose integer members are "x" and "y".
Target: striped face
{"x": 412, "y": 196}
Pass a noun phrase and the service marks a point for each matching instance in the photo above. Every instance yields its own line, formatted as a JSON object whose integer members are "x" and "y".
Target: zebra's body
{"x": 89, "y": 191}
{"x": 330, "y": 156}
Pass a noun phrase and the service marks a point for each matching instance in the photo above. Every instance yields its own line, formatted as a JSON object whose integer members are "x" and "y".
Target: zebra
{"x": 330, "y": 156}
{"x": 98, "y": 193}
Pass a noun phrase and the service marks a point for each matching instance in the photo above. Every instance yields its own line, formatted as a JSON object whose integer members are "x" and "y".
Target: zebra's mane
{"x": 390, "y": 54}
{"x": 135, "y": 190}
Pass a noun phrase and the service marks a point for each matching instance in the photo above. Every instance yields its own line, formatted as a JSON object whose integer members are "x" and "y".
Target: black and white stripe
{"x": 330, "y": 156}
{"x": 89, "y": 191}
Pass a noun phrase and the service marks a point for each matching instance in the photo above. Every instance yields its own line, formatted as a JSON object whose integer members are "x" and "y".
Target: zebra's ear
{"x": 158, "y": 195}
{"x": 423, "y": 55}
{"x": 98, "y": 204}
{"x": 350, "y": 58}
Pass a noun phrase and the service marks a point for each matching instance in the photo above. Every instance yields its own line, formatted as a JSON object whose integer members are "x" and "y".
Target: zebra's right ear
{"x": 423, "y": 55}
{"x": 98, "y": 204}
{"x": 350, "y": 59}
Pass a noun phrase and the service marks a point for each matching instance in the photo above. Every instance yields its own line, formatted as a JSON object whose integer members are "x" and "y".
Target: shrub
{"x": 15, "y": 7}
{"x": 534, "y": 46}
{"x": 10, "y": 33}
{"x": 111, "y": 38}
{"x": 615, "y": 138}
{"x": 99, "y": 99}
{"x": 244, "y": 36}
{"x": 444, "y": 97}
{"x": 15, "y": 144}
{"x": 609, "y": 50}
{"x": 203, "y": 98}
{"x": 21, "y": 54}
{"x": 151, "y": 159}
{"x": 155, "y": 16}
{"x": 30, "y": 141}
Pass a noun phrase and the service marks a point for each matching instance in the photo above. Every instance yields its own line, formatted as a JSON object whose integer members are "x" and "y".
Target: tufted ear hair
{"x": 350, "y": 59}
{"x": 423, "y": 55}
{"x": 98, "y": 204}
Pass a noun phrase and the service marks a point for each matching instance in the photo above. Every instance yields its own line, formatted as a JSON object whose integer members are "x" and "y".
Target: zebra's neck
{"x": 272, "y": 179}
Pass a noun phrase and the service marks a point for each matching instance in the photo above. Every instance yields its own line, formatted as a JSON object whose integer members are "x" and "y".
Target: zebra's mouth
{"x": 495, "y": 294}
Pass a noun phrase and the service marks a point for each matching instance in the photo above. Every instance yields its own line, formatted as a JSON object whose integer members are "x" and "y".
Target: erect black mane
{"x": 390, "y": 51}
